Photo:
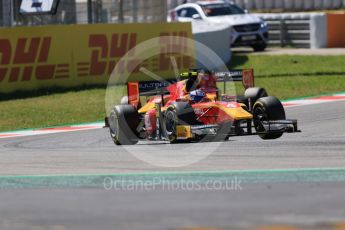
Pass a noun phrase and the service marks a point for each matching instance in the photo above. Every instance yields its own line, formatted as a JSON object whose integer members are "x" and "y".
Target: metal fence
{"x": 127, "y": 11}
{"x": 300, "y": 30}
{"x": 284, "y": 5}
{"x": 291, "y": 5}
{"x": 289, "y": 32}
{"x": 87, "y": 11}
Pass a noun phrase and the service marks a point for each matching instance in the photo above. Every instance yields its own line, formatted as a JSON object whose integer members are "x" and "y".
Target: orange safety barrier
{"x": 336, "y": 30}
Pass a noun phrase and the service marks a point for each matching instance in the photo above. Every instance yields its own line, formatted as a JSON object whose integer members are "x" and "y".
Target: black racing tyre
{"x": 123, "y": 123}
{"x": 254, "y": 94}
{"x": 260, "y": 47}
{"x": 124, "y": 100}
{"x": 268, "y": 109}
{"x": 178, "y": 113}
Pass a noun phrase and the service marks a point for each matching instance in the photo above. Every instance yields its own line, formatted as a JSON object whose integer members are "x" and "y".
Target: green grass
{"x": 287, "y": 76}
{"x": 296, "y": 86}
{"x": 301, "y": 86}
{"x": 56, "y": 109}
{"x": 283, "y": 76}
{"x": 289, "y": 65}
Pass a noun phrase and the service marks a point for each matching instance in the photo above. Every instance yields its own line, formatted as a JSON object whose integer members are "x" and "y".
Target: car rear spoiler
{"x": 151, "y": 88}
{"x": 146, "y": 88}
{"x": 246, "y": 76}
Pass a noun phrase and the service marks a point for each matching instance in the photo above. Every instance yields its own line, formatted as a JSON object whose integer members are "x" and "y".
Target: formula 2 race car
{"x": 194, "y": 109}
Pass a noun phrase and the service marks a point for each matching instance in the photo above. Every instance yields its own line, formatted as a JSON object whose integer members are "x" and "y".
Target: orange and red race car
{"x": 194, "y": 109}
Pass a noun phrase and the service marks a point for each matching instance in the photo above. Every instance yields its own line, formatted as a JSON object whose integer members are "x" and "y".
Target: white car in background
{"x": 246, "y": 29}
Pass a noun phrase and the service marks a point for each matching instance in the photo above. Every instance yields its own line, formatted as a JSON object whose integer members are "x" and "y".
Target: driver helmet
{"x": 197, "y": 95}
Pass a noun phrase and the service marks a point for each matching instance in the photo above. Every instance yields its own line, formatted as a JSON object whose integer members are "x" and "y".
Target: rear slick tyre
{"x": 123, "y": 123}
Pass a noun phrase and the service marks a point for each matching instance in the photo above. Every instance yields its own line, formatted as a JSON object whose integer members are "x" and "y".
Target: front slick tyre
{"x": 268, "y": 109}
{"x": 178, "y": 113}
{"x": 123, "y": 123}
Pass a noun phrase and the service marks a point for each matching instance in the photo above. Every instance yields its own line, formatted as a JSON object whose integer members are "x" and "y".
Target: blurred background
{"x": 131, "y": 11}
{"x": 88, "y": 11}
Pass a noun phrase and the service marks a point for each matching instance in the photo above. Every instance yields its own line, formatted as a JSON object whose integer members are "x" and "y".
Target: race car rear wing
{"x": 146, "y": 88}
{"x": 151, "y": 88}
{"x": 246, "y": 76}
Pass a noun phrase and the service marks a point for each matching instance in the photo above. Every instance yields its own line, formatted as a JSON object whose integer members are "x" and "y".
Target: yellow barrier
{"x": 67, "y": 56}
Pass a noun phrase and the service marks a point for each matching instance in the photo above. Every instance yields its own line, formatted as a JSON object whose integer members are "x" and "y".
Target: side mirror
{"x": 196, "y": 17}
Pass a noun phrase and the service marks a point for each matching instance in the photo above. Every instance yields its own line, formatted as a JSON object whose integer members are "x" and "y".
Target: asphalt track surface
{"x": 297, "y": 181}
{"x": 320, "y": 145}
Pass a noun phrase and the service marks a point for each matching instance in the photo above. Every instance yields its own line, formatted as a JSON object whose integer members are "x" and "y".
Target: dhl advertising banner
{"x": 75, "y": 55}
